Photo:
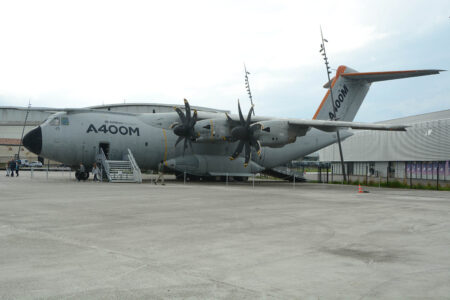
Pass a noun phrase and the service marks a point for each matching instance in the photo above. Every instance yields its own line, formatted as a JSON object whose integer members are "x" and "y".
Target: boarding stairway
{"x": 125, "y": 170}
{"x": 285, "y": 173}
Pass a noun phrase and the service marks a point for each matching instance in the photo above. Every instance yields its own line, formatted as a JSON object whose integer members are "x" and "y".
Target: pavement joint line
{"x": 70, "y": 241}
{"x": 394, "y": 278}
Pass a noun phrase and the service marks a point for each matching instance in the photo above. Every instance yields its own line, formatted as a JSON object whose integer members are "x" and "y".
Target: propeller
{"x": 245, "y": 134}
{"x": 185, "y": 129}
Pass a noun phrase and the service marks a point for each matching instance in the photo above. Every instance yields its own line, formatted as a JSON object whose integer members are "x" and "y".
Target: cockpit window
{"x": 55, "y": 122}
{"x": 65, "y": 121}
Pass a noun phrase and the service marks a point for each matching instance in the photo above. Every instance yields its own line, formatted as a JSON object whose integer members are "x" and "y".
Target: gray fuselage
{"x": 72, "y": 138}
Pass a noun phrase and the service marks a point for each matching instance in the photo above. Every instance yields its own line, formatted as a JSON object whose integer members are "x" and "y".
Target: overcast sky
{"x": 84, "y": 53}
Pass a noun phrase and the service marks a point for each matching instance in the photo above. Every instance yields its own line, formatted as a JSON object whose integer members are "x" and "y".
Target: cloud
{"x": 92, "y": 52}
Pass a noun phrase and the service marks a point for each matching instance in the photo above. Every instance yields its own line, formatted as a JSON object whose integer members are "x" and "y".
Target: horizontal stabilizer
{"x": 349, "y": 88}
{"x": 381, "y": 76}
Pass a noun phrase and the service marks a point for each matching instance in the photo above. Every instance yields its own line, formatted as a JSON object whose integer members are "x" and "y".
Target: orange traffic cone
{"x": 360, "y": 189}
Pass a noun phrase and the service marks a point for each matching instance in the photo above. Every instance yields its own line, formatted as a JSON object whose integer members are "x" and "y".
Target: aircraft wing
{"x": 298, "y": 127}
{"x": 330, "y": 126}
{"x": 324, "y": 125}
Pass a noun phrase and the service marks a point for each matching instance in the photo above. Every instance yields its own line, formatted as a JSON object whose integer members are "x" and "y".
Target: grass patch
{"x": 393, "y": 184}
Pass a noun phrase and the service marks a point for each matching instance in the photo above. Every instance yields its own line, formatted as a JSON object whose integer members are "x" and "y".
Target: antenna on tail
{"x": 330, "y": 85}
{"x": 247, "y": 86}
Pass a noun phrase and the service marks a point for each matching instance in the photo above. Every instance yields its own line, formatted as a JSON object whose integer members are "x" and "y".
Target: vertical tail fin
{"x": 347, "y": 95}
{"x": 350, "y": 88}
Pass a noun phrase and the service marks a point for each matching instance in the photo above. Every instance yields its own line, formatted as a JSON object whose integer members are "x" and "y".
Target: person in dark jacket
{"x": 81, "y": 173}
{"x": 17, "y": 168}
{"x": 12, "y": 166}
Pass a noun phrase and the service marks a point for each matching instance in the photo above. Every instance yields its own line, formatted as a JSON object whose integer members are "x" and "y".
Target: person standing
{"x": 12, "y": 166}
{"x": 8, "y": 169}
{"x": 17, "y": 168}
{"x": 96, "y": 172}
{"x": 160, "y": 173}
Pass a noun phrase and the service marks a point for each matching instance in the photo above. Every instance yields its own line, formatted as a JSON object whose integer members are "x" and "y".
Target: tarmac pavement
{"x": 63, "y": 239}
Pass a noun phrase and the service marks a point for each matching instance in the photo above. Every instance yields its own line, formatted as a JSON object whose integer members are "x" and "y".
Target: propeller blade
{"x": 249, "y": 117}
{"x": 259, "y": 148}
{"x": 194, "y": 119}
{"x": 238, "y": 150}
{"x": 184, "y": 146}
{"x": 180, "y": 114}
{"x": 178, "y": 140}
{"x": 188, "y": 110}
{"x": 247, "y": 154}
{"x": 190, "y": 144}
{"x": 241, "y": 117}
{"x": 257, "y": 145}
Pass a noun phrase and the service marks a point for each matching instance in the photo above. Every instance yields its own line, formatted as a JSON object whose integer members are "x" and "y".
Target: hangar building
{"x": 422, "y": 152}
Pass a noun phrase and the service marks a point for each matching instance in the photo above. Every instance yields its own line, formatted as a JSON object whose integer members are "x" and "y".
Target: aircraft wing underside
{"x": 330, "y": 126}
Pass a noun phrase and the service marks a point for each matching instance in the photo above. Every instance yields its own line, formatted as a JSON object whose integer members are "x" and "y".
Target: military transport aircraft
{"x": 207, "y": 143}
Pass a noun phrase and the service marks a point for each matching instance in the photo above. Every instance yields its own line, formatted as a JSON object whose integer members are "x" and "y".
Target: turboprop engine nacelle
{"x": 212, "y": 130}
{"x": 275, "y": 133}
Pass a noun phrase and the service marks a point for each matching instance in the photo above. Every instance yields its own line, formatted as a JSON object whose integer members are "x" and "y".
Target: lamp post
{"x": 23, "y": 129}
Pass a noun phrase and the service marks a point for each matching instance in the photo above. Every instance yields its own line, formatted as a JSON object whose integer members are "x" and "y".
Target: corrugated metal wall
{"x": 16, "y": 116}
{"x": 425, "y": 141}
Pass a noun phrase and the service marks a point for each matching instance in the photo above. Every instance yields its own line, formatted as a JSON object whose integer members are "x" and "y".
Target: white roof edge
{"x": 157, "y": 104}
{"x": 53, "y": 109}
{"x": 420, "y": 118}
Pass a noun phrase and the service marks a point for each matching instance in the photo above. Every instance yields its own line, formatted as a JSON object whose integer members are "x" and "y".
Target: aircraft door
{"x": 105, "y": 148}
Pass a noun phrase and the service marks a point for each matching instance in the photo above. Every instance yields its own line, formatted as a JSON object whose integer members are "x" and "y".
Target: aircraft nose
{"x": 33, "y": 140}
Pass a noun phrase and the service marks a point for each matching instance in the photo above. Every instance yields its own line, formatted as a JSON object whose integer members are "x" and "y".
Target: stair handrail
{"x": 136, "y": 170}
{"x": 105, "y": 163}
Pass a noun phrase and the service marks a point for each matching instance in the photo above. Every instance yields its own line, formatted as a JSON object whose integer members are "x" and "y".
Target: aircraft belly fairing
{"x": 212, "y": 165}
